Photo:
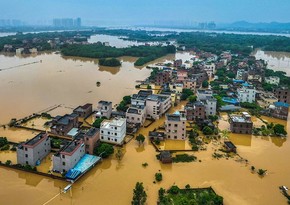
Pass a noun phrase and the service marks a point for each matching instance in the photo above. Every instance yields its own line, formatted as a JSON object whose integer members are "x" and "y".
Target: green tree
{"x": 104, "y": 150}
{"x": 139, "y": 194}
{"x": 205, "y": 84}
{"x": 219, "y": 101}
{"x": 279, "y": 129}
{"x": 231, "y": 75}
{"x": 192, "y": 98}
{"x": 3, "y": 141}
{"x": 98, "y": 122}
{"x": 119, "y": 153}
{"x": 225, "y": 134}
{"x": 158, "y": 177}
{"x": 140, "y": 138}
{"x": 207, "y": 130}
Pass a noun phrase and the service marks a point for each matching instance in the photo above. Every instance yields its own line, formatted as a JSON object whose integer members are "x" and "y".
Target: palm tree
{"x": 225, "y": 134}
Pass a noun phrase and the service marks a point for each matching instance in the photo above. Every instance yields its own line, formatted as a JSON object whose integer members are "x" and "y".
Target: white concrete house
{"x": 247, "y": 93}
{"x": 113, "y": 131}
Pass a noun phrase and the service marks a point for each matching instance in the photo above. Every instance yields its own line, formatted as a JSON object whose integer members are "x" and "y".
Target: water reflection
{"x": 278, "y": 61}
{"x": 112, "y": 70}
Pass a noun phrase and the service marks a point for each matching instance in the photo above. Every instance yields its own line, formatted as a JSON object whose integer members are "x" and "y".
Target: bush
{"x": 184, "y": 158}
{"x": 5, "y": 147}
{"x": 158, "y": 177}
{"x": 207, "y": 130}
{"x": 112, "y": 62}
{"x": 104, "y": 149}
{"x": 174, "y": 190}
{"x": 8, "y": 162}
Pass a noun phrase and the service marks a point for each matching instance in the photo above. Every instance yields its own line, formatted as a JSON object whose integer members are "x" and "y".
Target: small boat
{"x": 283, "y": 188}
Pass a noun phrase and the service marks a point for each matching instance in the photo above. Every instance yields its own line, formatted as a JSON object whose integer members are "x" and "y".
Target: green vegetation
{"x": 279, "y": 129}
{"x": 46, "y": 115}
{"x": 193, "y": 134}
{"x": 112, "y": 62}
{"x": 175, "y": 195}
{"x": 158, "y": 177}
{"x": 184, "y": 158}
{"x": 139, "y": 195}
{"x": 284, "y": 79}
{"x": 140, "y": 138}
{"x": 213, "y": 118}
{"x": 5, "y": 147}
{"x": 262, "y": 172}
{"x": 145, "y": 164}
{"x": 123, "y": 105}
{"x": 119, "y": 154}
{"x": 207, "y": 130}
{"x": 98, "y": 122}
{"x": 146, "y": 53}
{"x": 55, "y": 143}
{"x": 104, "y": 150}
{"x": 3, "y": 142}
{"x": 186, "y": 93}
{"x": 192, "y": 98}
{"x": 8, "y": 162}
{"x": 205, "y": 84}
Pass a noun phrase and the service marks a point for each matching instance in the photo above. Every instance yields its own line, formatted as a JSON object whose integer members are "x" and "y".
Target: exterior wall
{"x": 175, "y": 129}
{"x": 272, "y": 80}
{"x": 247, "y": 95}
{"x": 112, "y": 133}
{"x": 241, "y": 127}
{"x": 162, "y": 78}
{"x": 91, "y": 142}
{"x": 60, "y": 129}
{"x": 104, "y": 110}
{"x": 210, "y": 107}
{"x": 135, "y": 118}
{"x": 165, "y": 105}
{"x": 190, "y": 84}
{"x": 85, "y": 111}
{"x": 182, "y": 75}
{"x": 203, "y": 94}
{"x": 30, "y": 155}
{"x": 177, "y": 88}
{"x": 153, "y": 109}
{"x": 199, "y": 112}
{"x": 64, "y": 161}
{"x": 283, "y": 95}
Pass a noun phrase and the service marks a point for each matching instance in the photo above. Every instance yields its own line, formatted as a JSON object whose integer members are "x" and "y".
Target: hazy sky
{"x": 146, "y": 11}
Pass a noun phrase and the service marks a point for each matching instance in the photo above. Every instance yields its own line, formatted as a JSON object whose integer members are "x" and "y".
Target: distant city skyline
{"x": 132, "y": 12}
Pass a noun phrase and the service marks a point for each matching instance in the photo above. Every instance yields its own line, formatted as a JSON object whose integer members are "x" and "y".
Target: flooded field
{"x": 70, "y": 82}
{"x": 277, "y": 61}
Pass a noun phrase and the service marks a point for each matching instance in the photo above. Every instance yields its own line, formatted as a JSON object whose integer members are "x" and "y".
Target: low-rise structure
{"x": 157, "y": 105}
{"x": 203, "y": 94}
{"x": 104, "y": 109}
{"x": 282, "y": 94}
{"x": 210, "y": 106}
{"x": 84, "y": 111}
{"x": 68, "y": 156}
{"x": 139, "y": 100}
{"x": 177, "y": 63}
{"x": 241, "y": 124}
{"x": 34, "y": 150}
{"x": 230, "y": 147}
{"x": 279, "y": 110}
{"x": 113, "y": 131}
{"x": 61, "y": 125}
{"x": 194, "y": 111}
{"x": 136, "y": 115}
{"x": 175, "y": 126}
{"x": 247, "y": 93}
{"x": 162, "y": 78}
{"x": 91, "y": 138}
{"x": 274, "y": 80}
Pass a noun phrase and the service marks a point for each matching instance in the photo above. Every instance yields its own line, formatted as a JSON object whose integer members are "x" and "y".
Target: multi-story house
{"x": 177, "y": 63}
{"x": 241, "y": 124}
{"x": 162, "y": 78}
{"x": 34, "y": 150}
{"x": 84, "y": 111}
{"x": 68, "y": 156}
{"x": 175, "y": 126}
{"x": 139, "y": 100}
{"x": 182, "y": 75}
{"x": 90, "y": 137}
{"x": 282, "y": 94}
{"x": 274, "y": 80}
{"x": 194, "y": 111}
{"x": 136, "y": 115}
{"x": 113, "y": 131}
{"x": 203, "y": 94}
{"x": 157, "y": 105}
{"x": 279, "y": 110}
{"x": 190, "y": 84}
{"x": 210, "y": 106}
{"x": 247, "y": 93}
{"x": 61, "y": 125}
{"x": 104, "y": 109}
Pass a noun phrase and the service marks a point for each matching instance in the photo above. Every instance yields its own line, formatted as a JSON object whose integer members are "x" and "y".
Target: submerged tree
{"x": 119, "y": 154}
{"x": 139, "y": 194}
{"x": 140, "y": 138}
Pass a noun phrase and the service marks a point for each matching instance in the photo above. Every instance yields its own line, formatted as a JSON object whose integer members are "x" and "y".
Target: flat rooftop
{"x": 105, "y": 102}
{"x": 36, "y": 139}
{"x": 174, "y": 117}
{"x": 91, "y": 132}
{"x": 115, "y": 122}
{"x": 158, "y": 97}
{"x": 64, "y": 120}
{"x": 238, "y": 118}
{"x": 69, "y": 148}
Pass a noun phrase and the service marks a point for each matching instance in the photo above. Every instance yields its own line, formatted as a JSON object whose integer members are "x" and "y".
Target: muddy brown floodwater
{"x": 71, "y": 82}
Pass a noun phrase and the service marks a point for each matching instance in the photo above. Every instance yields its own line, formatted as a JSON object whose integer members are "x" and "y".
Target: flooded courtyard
{"x": 70, "y": 82}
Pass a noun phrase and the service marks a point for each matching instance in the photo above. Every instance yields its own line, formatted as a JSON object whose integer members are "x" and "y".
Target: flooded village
{"x": 196, "y": 118}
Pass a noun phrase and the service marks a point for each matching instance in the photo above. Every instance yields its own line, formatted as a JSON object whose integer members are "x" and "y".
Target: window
{"x": 115, "y": 140}
{"x": 102, "y": 131}
{"x": 63, "y": 156}
{"x": 25, "y": 148}
{"x": 115, "y": 134}
{"x": 109, "y": 138}
{"x": 102, "y": 137}
{"x": 63, "y": 163}
{"x": 26, "y": 155}
{"x": 175, "y": 125}
{"x": 109, "y": 133}
{"x": 26, "y": 162}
